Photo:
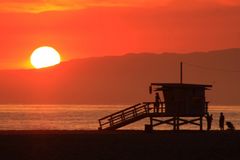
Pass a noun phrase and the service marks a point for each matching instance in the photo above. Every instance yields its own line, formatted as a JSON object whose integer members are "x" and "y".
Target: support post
{"x": 201, "y": 123}
{"x": 177, "y": 123}
{"x": 149, "y": 127}
{"x": 174, "y": 123}
{"x": 151, "y": 121}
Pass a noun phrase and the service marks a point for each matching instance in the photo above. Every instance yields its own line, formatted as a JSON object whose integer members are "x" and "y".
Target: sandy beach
{"x": 119, "y": 145}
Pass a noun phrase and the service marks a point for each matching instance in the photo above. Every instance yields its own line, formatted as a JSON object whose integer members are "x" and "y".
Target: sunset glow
{"x": 45, "y": 57}
{"x": 93, "y": 28}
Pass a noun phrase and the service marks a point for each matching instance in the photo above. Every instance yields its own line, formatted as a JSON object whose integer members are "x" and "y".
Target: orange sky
{"x": 85, "y": 28}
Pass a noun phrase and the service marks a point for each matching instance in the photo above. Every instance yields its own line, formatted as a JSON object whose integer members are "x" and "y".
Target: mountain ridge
{"x": 123, "y": 79}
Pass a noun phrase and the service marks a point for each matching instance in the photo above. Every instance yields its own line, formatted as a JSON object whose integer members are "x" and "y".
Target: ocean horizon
{"x": 85, "y": 117}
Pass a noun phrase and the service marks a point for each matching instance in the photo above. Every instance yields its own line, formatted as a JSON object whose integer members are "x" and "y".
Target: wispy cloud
{"x": 51, "y": 5}
{"x": 35, "y": 6}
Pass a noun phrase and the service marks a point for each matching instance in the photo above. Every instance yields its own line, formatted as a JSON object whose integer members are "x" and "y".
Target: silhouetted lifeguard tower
{"x": 182, "y": 104}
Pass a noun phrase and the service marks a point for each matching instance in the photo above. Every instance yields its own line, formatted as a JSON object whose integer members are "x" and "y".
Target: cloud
{"x": 52, "y": 5}
{"x": 34, "y": 6}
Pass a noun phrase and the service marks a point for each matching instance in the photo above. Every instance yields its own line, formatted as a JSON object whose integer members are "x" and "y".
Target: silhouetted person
{"x": 157, "y": 103}
{"x": 209, "y": 121}
{"x": 221, "y": 121}
{"x": 230, "y": 126}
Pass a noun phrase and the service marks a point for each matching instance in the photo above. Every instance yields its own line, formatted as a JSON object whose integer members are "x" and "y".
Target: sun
{"x": 45, "y": 56}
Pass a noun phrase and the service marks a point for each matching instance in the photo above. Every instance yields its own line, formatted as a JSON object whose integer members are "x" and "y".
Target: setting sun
{"x": 45, "y": 57}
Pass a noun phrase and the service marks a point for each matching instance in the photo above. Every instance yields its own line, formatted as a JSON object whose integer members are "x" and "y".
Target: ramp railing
{"x": 124, "y": 115}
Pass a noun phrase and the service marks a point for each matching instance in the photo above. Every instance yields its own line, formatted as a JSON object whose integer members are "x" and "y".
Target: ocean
{"x": 85, "y": 117}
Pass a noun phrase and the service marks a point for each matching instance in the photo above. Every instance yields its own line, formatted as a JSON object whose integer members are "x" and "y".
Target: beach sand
{"x": 119, "y": 145}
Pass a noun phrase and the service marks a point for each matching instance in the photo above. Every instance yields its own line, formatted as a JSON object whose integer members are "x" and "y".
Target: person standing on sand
{"x": 209, "y": 121}
{"x": 157, "y": 102}
{"x": 221, "y": 121}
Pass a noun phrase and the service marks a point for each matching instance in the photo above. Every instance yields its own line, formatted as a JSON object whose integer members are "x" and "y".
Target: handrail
{"x": 124, "y": 115}
{"x": 130, "y": 112}
{"x": 120, "y": 111}
{"x": 127, "y": 114}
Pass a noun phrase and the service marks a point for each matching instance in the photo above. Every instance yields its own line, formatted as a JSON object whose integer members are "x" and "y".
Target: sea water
{"x": 85, "y": 117}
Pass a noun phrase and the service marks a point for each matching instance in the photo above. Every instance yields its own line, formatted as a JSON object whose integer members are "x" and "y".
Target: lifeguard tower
{"x": 181, "y": 104}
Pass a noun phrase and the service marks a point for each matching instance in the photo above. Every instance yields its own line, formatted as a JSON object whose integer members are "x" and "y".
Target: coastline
{"x": 119, "y": 145}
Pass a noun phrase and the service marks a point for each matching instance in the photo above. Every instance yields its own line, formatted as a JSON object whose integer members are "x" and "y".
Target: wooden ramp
{"x": 126, "y": 116}
{"x": 146, "y": 110}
